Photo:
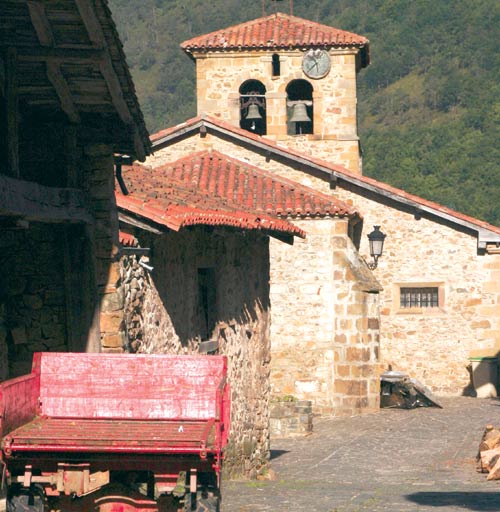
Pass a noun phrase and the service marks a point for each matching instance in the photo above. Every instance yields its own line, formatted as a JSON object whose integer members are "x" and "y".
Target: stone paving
{"x": 395, "y": 460}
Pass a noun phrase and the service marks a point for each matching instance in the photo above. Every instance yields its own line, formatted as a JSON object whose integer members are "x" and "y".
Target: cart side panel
{"x": 19, "y": 399}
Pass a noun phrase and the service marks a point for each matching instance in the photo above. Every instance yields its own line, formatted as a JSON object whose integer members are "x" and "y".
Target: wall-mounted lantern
{"x": 376, "y": 240}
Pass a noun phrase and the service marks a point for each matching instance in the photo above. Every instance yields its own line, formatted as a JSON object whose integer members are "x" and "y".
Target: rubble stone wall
{"x": 163, "y": 315}
{"x": 32, "y": 296}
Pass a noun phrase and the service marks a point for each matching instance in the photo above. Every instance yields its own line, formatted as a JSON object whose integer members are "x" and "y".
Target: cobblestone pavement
{"x": 395, "y": 460}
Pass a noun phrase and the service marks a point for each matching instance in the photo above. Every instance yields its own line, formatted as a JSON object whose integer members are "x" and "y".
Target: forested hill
{"x": 429, "y": 103}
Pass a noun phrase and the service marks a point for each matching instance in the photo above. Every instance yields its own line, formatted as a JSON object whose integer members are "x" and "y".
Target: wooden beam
{"x": 12, "y": 113}
{"x": 96, "y": 35}
{"x": 74, "y": 55}
{"x": 91, "y": 22}
{"x": 35, "y": 202}
{"x": 132, "y": 221}
{"x": 140, "y": 151}
{"x": 115, "y": 90}
{"x": 41, "y": 23}
{"x": 56, "y": 78}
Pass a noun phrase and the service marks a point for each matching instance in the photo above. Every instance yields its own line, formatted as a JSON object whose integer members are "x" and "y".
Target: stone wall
{"x": 32, "y": 295}
{"x": 108, "y": 326}
{"x": 432, "y": 346}
{"x": 325, "y": 321}
{"x": 322, "y": 302}
{"x": 220, "y": 75}
{"x": 164, "y": 315}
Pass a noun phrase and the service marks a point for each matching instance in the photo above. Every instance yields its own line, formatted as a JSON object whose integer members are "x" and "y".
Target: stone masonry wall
{"x": 163, "y": 315}
{"x": 220, "y": 75}
{"x": 324, "y": 330}
{"x": 32, "y": 296}
{"x": 304, "y": 296}
{"x": 433, "y": 347}
{"x": 434, "y": 344}
{"x": 98, "y": 167}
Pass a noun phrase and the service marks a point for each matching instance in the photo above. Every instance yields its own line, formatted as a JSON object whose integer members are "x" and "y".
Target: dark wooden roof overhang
{"x": 67, "y": 57}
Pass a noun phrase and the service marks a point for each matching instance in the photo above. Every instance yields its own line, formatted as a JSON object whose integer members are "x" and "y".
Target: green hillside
{"x": 429, "y": 103}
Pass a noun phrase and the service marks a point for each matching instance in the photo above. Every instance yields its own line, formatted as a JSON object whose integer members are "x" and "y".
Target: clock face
{"x": 316, "y": 63}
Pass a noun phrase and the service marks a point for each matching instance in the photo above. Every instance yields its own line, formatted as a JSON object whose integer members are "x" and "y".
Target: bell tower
{"x": 285, "y": 78}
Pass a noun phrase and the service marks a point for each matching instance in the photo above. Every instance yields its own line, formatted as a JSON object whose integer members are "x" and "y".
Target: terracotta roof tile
{"x": 338, "y": 170}
{"x": 212, "y": 189}
{"x": 272, "y": 32}
{"x": 127, "y": 240}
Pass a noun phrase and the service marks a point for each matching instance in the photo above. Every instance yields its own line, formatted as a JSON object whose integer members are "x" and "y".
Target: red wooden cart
{"x": 115, "y": 433}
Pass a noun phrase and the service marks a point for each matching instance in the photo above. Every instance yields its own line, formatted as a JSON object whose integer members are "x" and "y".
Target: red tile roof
{"x": 212, "y": 189}
{"x": 339, "y": 171}
{"x": 127, "y": 240}
{"x": 272, "y": 32}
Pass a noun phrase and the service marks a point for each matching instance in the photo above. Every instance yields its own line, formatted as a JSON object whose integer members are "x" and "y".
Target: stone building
{"x": 280, "y": 93}
{"x": 206, "y": 222}
{"x": 67, "y": 103}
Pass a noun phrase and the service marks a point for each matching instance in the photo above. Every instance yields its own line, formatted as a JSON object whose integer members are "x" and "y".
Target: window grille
{"x": 419, "y": 297}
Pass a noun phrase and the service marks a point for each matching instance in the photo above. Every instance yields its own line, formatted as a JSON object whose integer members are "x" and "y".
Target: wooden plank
{"x": 39, "y": 203}
{"x": 131, "y": 386}
{"x": 60, "y": 85}
{"x": 12, "y": 113}
{"x": 82, "y": 56}
{"x": 18, "y": 401}
{"x": 41, "y": 23}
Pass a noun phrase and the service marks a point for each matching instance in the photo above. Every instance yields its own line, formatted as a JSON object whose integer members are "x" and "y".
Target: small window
{"x": 276, "y": 65}
{"x": 206, "y": 301}
{"x": 427, "y": 297}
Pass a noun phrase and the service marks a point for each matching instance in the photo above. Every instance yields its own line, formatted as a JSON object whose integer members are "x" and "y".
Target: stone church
{"x": 278, "y": 95}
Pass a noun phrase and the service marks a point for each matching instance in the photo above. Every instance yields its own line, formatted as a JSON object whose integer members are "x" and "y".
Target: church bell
{"x": 253, "y": 112}
{"x": 299, "y": 114}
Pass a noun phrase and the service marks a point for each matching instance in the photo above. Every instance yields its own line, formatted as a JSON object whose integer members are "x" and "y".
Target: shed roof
{"x": 210, "y": 188}
{"x": 67, "y": 56}
{"x": 277, "y": 31}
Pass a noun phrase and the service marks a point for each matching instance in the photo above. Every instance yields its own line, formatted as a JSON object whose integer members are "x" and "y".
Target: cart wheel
{"x": 204, "y": 503}
{"x": 23, "y": 499}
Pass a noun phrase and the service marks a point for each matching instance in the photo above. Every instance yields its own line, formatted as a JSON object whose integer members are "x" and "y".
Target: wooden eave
{"x": 335, "y": 174}
{"x": 69, "y": 58}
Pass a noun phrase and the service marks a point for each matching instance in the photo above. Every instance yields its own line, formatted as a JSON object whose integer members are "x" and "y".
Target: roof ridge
{"x": 338, "y": 169}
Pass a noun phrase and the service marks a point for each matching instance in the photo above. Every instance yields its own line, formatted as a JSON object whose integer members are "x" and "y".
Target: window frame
{"x": 423, "y": 310}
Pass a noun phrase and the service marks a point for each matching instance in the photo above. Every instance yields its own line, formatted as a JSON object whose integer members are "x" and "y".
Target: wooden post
{"x": 12, "y": 113}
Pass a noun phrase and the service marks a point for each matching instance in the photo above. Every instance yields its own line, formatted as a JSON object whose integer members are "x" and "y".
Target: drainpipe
{"x": 118, "y": 173}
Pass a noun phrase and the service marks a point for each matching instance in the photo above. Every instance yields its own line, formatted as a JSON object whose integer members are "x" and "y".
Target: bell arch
{"x": 299, "y": 107}
{"x": 253, "y": 106}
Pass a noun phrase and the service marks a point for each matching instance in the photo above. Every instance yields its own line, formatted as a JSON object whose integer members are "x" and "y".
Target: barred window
{"x": 419, "y": 297}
